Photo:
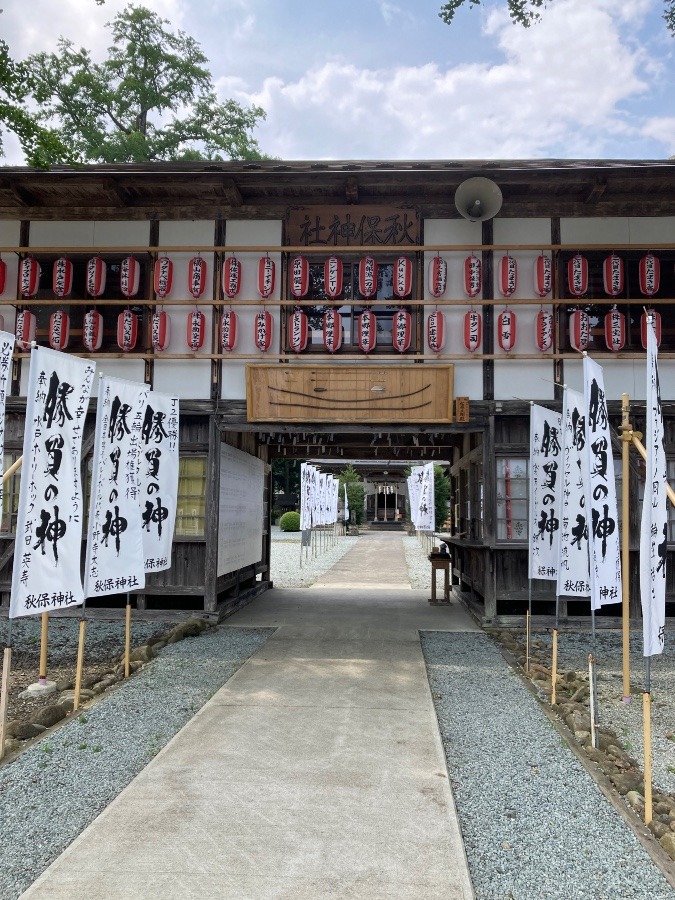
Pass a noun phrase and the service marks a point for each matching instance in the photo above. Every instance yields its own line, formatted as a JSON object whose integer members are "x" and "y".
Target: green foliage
{"x": 286, "y": 475}
{"x": 290, "y": 521}
{"x": 441, "y": 495}
{"x": 525, "y": 12}
{"x": 355, "y": 493}
{"x": 152, "y": 98}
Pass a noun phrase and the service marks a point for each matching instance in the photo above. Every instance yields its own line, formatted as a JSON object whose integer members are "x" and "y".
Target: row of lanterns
{"x": 298, "y": 330}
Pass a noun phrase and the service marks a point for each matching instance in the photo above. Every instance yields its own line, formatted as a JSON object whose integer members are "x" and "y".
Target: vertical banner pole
{"x": 554, "y": 666}
{"x": 80, "y": 662}
{"x": 127, "y": 637}
{"x": 527, "y": 642}
{"x": 4, "y": 696}
{"x": 43, "y": 648}
{"x": 625, "y": 545}
{"x": 647, "y": 728}
{"x": 591, "y": 701}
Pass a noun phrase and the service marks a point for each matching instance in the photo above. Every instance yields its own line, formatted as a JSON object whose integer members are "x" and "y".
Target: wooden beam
{"x": 596, "y": 191}
{"x": 231, "y": 192}
{"x": 21, "y": 194}
{"x": 352, "y": 190}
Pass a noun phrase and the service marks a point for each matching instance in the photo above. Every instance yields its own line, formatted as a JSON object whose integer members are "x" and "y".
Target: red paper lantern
{"x": 96, "y": 275}
{"x": 577, "y": 275}
{"x": 656, "y": 324}
{"x": 3, "y": 275}
{"x": 228, "y": 330}
{"x": 29, "y": 276}
{"x": 367, "y": 277}
{"x": 25, "y": 328}
{"x": 130, "y": 276}
{"x": 544, "y": 330}
{"x": 195, "y": 330}
{"x": 615, "y": 330}
{"x": 297, "y": 331}
{"x": 299, "y": 276}
{"x": 59, "y": 330}
{"x": 436, "y": 331}
{"x": 127, "y": 330}
{"x": 650, "y": 275}
{"x": 366, "y": 331}
{"x": 473, "y": 330}
{"x": 508, "y": 275}
{"x": 402, "y": 277}
{"x": 92, "y": 330}
{"x": 160, "y": 330}
{"x": 231, "y": 277}
{"x": 196, "y": 277}
{"x": 332, "y": 330}
{"x": 473, "y": 276}
{"x": 580, "y": 330}
{"x": 438, "y": 276}
{"x": 62, "y": 277}
{"x": 543, "y": 275}
{"x": 506, "y": 329}
{"x": 332, "y": 277}
{"x": 263, "y": 330}
{"x": 401, "y": 330}
{"x": 612, "y": 275}
{"x": 266, "y": 274}
{"x": 163, "y": 280}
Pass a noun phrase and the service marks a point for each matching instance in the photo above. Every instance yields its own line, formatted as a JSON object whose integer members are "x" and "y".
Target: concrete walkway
{"x": 316, "y": 772}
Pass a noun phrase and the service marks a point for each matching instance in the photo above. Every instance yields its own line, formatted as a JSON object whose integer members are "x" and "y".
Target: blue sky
{"x": 380, "y": 79}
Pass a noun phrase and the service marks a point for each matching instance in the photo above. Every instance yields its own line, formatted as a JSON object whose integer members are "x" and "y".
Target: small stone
{"x": 144, "y": 653}
{"x": 65, "y": 684}
{"x": 12, "y": 745}
{"x": 637, "y": 801}
{"x": 658, "y": 829}
{"x": 28, "y": 730}
{"x": 50, "y": 715}
{"x": 38, "y": 690}
{"x": 85, "y": 694}
{"x": 506, "y": 845}
{"x": 668, "y": 844}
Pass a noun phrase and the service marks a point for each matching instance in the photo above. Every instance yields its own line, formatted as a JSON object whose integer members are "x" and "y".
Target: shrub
{"x": 290, "y": 521}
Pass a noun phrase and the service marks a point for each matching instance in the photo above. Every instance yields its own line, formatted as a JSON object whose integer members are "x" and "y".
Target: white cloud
{"x": 561, "y": 82}
{"x": 661, "y": 130}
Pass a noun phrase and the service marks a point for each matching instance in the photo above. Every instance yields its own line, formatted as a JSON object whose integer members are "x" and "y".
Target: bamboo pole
{"x": 646, "y": 720}
{"x": 80, "y": 662}
{"x": 554, "y": 665}
{"x": 4, "y": 696}
{"x": 127, "y": 638}
{"x": 527, "y": 642}
{"x": 625, "y": 546}
{"x": 43, "y": 648}
{"x": 592, "y": 700}
{"x": 637, "y": 443}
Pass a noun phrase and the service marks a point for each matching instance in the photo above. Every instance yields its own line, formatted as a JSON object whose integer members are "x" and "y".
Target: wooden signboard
{"x": 352, "y": 226}
{"x": 462, "y": 413}
{"x": 349, "y": 393}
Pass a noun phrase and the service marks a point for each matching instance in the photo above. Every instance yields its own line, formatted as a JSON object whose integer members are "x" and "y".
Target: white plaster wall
{"x": 528, "y": 379}
{"x": 89, "y": 234}
{"x": 129, "y": 369}
{"x": 595, "y": 231}
{"x": 469, "y": 379}
{"x": 182, "y": 378}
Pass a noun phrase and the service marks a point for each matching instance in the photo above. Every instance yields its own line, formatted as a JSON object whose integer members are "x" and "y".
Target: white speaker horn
{"x": 478, "y": 199}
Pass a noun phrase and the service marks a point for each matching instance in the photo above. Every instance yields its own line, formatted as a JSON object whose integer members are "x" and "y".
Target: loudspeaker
{"x": 478, "y": 199}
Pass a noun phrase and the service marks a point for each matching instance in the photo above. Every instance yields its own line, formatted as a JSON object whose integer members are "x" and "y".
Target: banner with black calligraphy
{"x": 574, "y": 578}
{"x": 305, "y": 506}
{"x": 46, "y": 573}
{"x": 159, "y": 479}
{"x": 654, "y": 525}
{"x": 414, "y": 488}
{"x": 601, "y": 511}
{"x": 545, "y": 492}
{"x": 114, "y": 563}
{"x": 426, "y": 513}
{"x": 6, "y": 350}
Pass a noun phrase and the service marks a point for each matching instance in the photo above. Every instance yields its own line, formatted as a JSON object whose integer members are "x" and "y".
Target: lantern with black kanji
{"x": 473, "y": 330}
{"x": 436, "y": 331}
{"x": 195, "y": 330}
{"x": 160, "y": 330}
{"x": 163, "y": 276}
{"x": 59, "y": 330}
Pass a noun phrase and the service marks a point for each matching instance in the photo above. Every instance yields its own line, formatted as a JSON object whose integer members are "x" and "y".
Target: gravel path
{"x": 53, "y": 790}
{"x": 535, "y": 825}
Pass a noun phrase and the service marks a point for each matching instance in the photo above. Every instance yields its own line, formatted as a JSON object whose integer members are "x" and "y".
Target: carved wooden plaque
{"x": 349, "y": 393}
{"x": 352, "y": 226}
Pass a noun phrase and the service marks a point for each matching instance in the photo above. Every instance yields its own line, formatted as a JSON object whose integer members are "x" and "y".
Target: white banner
{"x": 426, "y": 520}
{"x": 574, "y": 578}
{"x": 6, "y": 349}
{"x": 545, "y": 492}
{"x": 305, "y": 496}
{"x": 414, "y": 489}
{"x": 46, "y": 573}
{"x": 654, "y": 528}
{"x": 346, "y": 516}
{"x": 601, "y": 511}
{"x": 159, "y": 479}
{"x": 114, "y": 563}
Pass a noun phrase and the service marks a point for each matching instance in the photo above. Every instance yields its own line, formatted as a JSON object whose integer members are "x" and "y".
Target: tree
{"x": 151, "y": 99}
{"x": 286, "y": 476}
{"x": 41, "y": 146}
{"x": 355, "y": 492}
{"x": 525, "y": 12}
{"x": 441, "y": 495}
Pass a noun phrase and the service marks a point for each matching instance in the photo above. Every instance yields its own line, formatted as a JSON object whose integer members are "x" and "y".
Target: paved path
{"x": 316, "y": 772}
{"x": 376, "y": 561}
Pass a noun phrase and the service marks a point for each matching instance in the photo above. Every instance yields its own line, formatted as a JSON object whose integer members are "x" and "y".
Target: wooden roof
{"x": 266, "y": 189}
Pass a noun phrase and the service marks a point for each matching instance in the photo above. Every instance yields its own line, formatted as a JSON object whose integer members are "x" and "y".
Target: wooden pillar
{"x": 488, "y": 312}
{"x": 212, "y": 517}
